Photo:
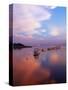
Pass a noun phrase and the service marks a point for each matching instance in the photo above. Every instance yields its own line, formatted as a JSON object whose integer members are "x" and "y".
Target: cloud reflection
{"x": 29, "y": 71}
{"x": 54, "y": 58}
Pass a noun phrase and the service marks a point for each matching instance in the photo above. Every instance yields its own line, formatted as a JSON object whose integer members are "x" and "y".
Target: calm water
{"x": 48, "y": 67}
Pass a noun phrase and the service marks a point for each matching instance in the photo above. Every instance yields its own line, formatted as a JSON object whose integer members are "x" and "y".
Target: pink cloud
{"x": 28, "y": 17}
{"x": 56, "y": 31}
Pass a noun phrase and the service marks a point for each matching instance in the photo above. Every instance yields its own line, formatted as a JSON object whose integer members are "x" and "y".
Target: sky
{"x": 39, "y": 25}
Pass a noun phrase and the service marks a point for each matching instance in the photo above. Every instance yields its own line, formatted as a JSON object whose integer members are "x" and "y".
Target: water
{"x": 48, "y": 67}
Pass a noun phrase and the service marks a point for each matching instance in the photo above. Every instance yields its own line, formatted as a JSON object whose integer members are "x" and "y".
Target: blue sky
{"x": 36, "y": 24}
{"x": 58, "y": 17}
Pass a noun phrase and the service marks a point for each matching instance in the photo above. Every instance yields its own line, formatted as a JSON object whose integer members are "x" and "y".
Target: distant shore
{"x": 19, "y": 46}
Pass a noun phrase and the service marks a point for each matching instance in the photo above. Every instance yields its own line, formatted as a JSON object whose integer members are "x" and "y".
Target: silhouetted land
{"x": 19, "y": 46}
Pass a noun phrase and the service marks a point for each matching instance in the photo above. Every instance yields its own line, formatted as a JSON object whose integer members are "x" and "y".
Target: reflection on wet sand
{"x": 29, "y": 68}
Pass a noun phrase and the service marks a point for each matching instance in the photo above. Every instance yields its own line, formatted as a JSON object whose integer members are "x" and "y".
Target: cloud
{"x": 28, "y": 18}
{"x": 52, "y": 7}
{"x": 43, "y": 30}
{"x": 40, "y": 13}
{"x": 55, "y": 31}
